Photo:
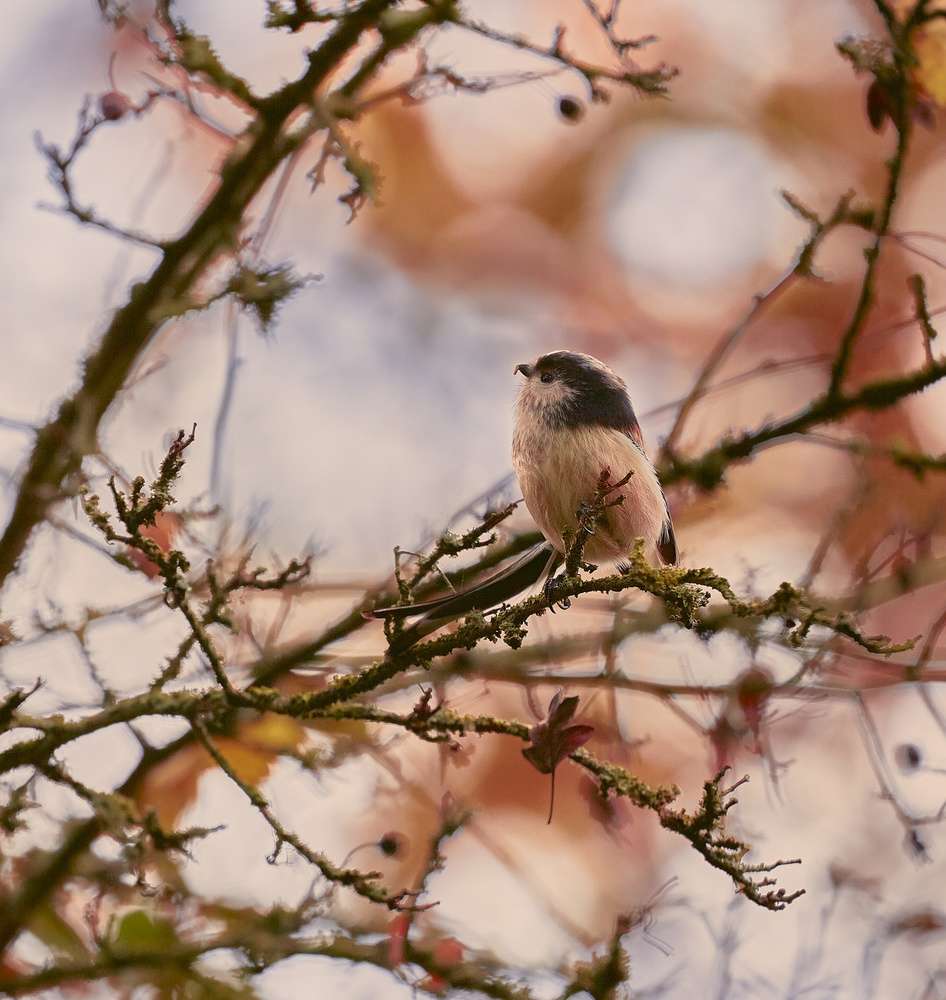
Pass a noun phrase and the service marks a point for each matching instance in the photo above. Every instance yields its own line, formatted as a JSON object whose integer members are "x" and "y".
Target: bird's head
{"x": 568, "y": 389}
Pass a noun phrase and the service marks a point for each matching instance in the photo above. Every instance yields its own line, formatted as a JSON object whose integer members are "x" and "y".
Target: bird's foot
{"x": 551, "y": 585}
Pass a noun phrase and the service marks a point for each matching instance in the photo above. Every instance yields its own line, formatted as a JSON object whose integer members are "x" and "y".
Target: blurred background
{"x": 378, "y": 407}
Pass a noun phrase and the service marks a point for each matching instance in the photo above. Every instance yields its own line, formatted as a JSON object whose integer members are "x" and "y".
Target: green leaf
{"x": 140, "y": 931}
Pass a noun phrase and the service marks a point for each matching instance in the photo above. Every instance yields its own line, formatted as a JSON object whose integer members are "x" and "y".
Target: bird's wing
{"x": 633, "y": 431}
{"x": 667, "y": 543}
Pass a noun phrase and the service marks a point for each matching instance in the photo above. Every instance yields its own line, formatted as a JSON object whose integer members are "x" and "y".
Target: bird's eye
{"x": 548, "y": 377}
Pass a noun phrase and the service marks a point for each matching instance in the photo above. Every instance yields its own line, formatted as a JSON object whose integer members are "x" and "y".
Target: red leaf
{"x": 881, "y": 105}
{"x": 553, "y": 739}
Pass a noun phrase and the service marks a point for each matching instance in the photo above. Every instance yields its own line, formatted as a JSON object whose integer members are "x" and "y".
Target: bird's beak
{"x": 526, "y": 370}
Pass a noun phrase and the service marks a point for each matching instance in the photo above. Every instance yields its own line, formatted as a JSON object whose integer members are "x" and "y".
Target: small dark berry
{"x": 908, "y": 757}
{"x": 571, "y": 109}
{"x": 114, "y": 106}
{"x": 392, "y": 844}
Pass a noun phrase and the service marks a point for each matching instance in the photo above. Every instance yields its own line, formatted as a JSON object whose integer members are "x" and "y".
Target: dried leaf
{"x": 554, "y": 739}
{"x": 930, "y": 45}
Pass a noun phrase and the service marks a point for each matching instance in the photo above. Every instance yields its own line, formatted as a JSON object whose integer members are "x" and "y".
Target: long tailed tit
{"x": 574, "y": 420}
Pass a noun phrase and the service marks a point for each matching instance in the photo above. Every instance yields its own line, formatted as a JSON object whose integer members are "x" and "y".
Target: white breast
{"x": 559, "y": 469}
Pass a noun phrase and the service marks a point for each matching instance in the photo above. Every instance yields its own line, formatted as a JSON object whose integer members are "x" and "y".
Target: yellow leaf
{"x": 172, "y": 786}
{"x": 278, "y": 732}
{"x": 930, "y": 46}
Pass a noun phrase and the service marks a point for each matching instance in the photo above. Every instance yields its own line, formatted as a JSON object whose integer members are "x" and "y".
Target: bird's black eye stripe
{"x": 548, "y": 377}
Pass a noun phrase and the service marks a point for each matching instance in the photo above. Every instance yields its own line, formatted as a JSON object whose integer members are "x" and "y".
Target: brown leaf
{"x": 553, "y": 739}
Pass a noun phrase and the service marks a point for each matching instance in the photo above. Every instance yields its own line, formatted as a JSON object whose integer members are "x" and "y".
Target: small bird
{"x": 574, "y": 421}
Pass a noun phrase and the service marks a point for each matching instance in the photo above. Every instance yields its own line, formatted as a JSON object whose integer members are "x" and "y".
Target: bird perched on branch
{"x": 574, "y": 419}
{"x": 576, "y": 437}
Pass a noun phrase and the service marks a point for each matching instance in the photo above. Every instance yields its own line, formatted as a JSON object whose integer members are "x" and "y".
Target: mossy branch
{"x": 708, "y": 470}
